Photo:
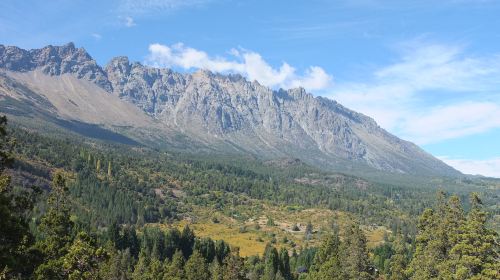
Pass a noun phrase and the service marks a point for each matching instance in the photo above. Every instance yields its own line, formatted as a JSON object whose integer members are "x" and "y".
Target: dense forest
{"x": 74, "y": 208}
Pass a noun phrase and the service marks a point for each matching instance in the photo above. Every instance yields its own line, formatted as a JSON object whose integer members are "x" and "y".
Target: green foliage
{"x": 16, "y": 257}
{"x": 451, "y": 245}
{"x": 83, "y": 258}
{"x": 346, "y": 259}
{"x": 233, "y": 267}
{"x": 56, "y": 225}
{"x": 89, "y": 209}
{"x": 175, "y": 269}
{"x": 398, "y": 260}
{"x": 55, "y": 230}
{"x": 196, "y": 268}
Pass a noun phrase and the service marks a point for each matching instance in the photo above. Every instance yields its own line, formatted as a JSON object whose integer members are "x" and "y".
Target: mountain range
{"x": 198, "y": 112}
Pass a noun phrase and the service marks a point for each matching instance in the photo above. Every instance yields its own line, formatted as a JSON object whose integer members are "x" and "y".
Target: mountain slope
{"x": 222, "y": 113}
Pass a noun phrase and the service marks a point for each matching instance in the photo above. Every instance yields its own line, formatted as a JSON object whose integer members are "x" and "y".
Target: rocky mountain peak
{"x": 223, "y": 110}
{"x": 55, "y": 60}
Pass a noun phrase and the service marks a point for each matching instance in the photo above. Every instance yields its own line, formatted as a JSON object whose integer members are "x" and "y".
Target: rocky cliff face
{"x": 229, "y": 110}
{"x": 54, "y": 60}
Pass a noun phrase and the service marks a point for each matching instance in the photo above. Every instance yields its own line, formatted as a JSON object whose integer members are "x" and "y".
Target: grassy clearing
{"x": 252, "y": 235}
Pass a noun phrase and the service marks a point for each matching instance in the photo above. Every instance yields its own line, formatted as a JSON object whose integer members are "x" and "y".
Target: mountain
{"x": 201, "y": 111}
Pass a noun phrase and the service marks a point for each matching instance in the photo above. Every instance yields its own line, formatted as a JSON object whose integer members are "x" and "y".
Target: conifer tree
{"x": 398, "y": 261}
{"x": 475, "y": 254}
{"x": 114, "y": 234}
{"x": 155, "y": 269}
{"x": 83, "y": 258}
{"x": 175, "y": 269}
{"x": 142, "y": 267}
{"x": 222, "y": 250}
{"x": 271, "y": 262}
{"x": 119, "y": 265}
{"x": 285, "y": 264}
{"x": 98, "y": 166}
{"x": 354, "y": 253}
{"x": 216, "y": 270}
{"x": 187, "y": 241}
{"x": 55, "y": 228}
{"x": 196, "y": 267}
{"x": 109, "y": 169}
{"x": 425, "y": 258}
{"x": 15, "y": 236}
{"x": 233, "y": 266}
{"x": 326, "y": 263}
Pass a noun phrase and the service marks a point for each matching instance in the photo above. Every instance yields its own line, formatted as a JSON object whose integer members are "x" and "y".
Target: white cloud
{"x": 247, "y": 63}
{"x": 129, "y": 22}
{"x": 452, "y": 121}
{"x": 422, "y": 96}
{"x": 96, "y": 36}
{"x": 147, "y": 7}
{"x": 487, "y": 167}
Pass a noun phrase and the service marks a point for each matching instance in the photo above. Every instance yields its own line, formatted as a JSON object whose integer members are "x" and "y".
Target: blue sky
{"x": 427, "y": 71}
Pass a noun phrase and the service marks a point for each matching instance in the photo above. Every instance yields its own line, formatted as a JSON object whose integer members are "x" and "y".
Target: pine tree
{"x": 155, "y": 269}
{"x": 175, "y": 269}
{"x": 98, "y": 166}
{"x": 326, "y": 263}
{"x": 15, "y": 235}
{"x": 284, "y": 267}
{"x": 216, "y": 270}
{"x": 222, "y": 250}
{"x": 206, "y": 247}
{"x": 130, "y": 241}
{"x": 187, "y": 242}
{"x": 234, "y": 267}
{"x": 119, "y": 265}
{"x": 354, "y": 254}
{"x": 55, "y": 228}
{"x": 271, "y": 262}
{"x": 475, "y": 254}
{"x": 142, "y": 267}
{"x": 196, "y": 267}
{"x": 438, "y": 233}
{"x": 83, "y": 258}
{"x": 114, "y": 234}
{"x": 309, "y": 230}
{"x": 397, "y": 264}
{"x": 425, "y": 258}
{"x": 109, "y": 169}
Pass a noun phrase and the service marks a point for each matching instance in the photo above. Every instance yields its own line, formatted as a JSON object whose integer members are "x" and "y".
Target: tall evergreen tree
{"x": 233, "y": 266}
{"x": 109, "y": 169}
{"x": 55, "y": 227}
{"x": 187, "y": 241}
{"x": 222, "y": 250}
{"x": 326, "y": 263}
{"x": 175, "y": 269}
{"x": 398, "y": 262}
{"x": 83, "y": 258}
{"x": 141, "y": 268}
{"x": 216, "y": 270}
{"x": 475, "y": 253}
{"x": 284, "y": 267}
{"x": 354, "y": 253}
{"x": 271, "y": 262}
{"x": 196, "y": 268}
{"x": 15, "y": 236}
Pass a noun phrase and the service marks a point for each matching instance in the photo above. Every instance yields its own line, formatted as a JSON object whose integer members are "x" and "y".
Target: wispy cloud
{"x": 487, "y": 167}
{"x": 148, "y": 7}
{"x": 96, "y": 36}
{"x": 247, "y": 63}
{"x": 404, "y": 96}
{"x": 129, "y": 22}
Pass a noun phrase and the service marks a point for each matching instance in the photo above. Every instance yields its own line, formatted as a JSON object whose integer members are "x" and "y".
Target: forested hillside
{"x": 75, "y": 208}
